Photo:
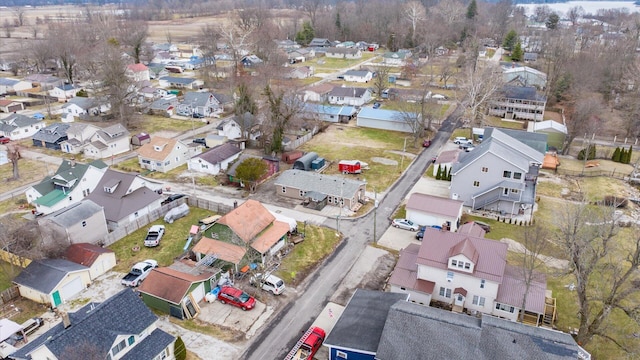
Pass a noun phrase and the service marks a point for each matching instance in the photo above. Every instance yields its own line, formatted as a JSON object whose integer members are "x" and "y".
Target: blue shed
{"x": 317, "y": 163}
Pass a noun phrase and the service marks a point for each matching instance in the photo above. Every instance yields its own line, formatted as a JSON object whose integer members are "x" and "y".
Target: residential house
{"x": 388, "y": 120}
{"x": 447, "y": 335}
{"x": 301, "y": 55}
{"x": 78, "y": 106}
{"x": 98, "y": 259}
{"x": 45, "y": 82}
{"x": 10, "y": 86}
{"x": 397, "y": 58}
{"x": 225, "y": 101}
{"x": 51, "y": 136}
{"x": 286, "y": 45}
{"x": 555, "y": 131}
{"x": 343, "y": 53}
{"x": 445, "y": 160}
{"x": 162, "y": 154}
{"x": 108, "y": 329}
{"x": 78, "y": 136}
{"x": 52, "y": 282}
{"x": 361, "y": 76}
{"x": 203, "y": 103}
{"x": 82, "y": 222}
{"x": 251, "y": 61}
{"x": 107, "y": 142}
{"x": 163, "y": 107}
{"x": 157, "y": 71}
{"x": 468, "y": 274}
{"x": 349, "y": 96}
{"x": 357, "y": 331}
{"x": 64, "y": 91}
{"x": 300, "y": 72}
{"x": 215, "y": 160}
{"x": 524, "y": 76}
{"x": 320, "y": 42}
{"x": 273, "y": 166}
{"x": 519, "y": 103}
{"x": 346, "y": 44}
{"x": 138, "y": 72}
{"x": 232, "y": 129}
{"x": 429, "y": 210}
{"x": 311, "y": 186}
{"x": 125, "y": 197}
{"x": 329, "y": 113}
{"x": 177, "y": 293}
{"x": 71, "y": 183}
{"x": 180, "y": 82}
{"x": 500, "y": 174}
{"x": 10, "y": 106}
{"x": 16, "y": 126}
{"x": 251, "y": 227}
{"x": 317, "y": 93}
{"x": 530, "y": 57}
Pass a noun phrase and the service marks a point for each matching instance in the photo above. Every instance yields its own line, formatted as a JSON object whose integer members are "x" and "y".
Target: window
{"x": 441, "y": 293}
{"x": 70, "y": 198}
{"x": 119, "y": 347}
{"x": 302, "y": 193}
{"x": 505, "y": 191}
{"x": 478, "y": 300}
{"x": 448, "y": 294}
{"x": 503, "y": 307}
{"x": 482, "y": 283}
{"x": 84, "y": 224}
{"x": 131, "y": 340}
{"x": 485, "y": 169}
{"x": 135, "y": 214}
{"x": 476, "y": 183}
{"x": 341, "y": 354}
{"x": 460, "y": 264}
{"x": 506, "y": 174}
{"x": 514, "y": 191}
{"x": 517, "y": 176}
{"x": 467, "y": 266}
{"x": 449, "y": 276}
{"x": 454, "y": 262}
{"x": 284, "y": 189}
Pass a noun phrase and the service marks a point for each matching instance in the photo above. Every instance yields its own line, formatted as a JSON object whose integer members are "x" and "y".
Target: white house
{"x": 362, "y": 76}
{"x": 216, "y": 160}
{"x": 231, "y": 129}
{"x": 107, "y": 142}
{"x": 64, "y": 92}
{"x": 388, "y": 120}
{"x": 445, "y": 161}
{"x": 343, "y": 53}
{"x": 349, "y": 96}
{"x": 78, "y": 136}
{"x": 162, "y": 154}
{"x": 203, "y": 103}
{"x": 85, "y": 106}
{"x": 16, "y": 126}
{"x": 8, "y": 85}
{"x": 429, "y": 210}
{"x": 138, "y": 72}
{"x": 398, "y": 58}
{"x": 317, "y": 93}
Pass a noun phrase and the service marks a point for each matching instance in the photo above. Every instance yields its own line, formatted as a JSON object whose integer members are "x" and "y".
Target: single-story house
{"x": 51, "y": 136}
{"x": 398, "y": 58}
{"x": 388, "y": 120}
{"x": 319, "y": 42}
{"x": 180, "y": 82}
{"x": 85, "y": 106}
{"x": 251, "y": 61}
{"x": 17, "y": 126}
{"x": 361, "y": 76}
{"x": 82, "y": 222}
{"x": 429, "y": 210}
{"x": 163, "y": 107}
{"x": 64, "y": 92}
{"x": 300, "y": 72}
{"x": 98, "y": 259}
{"x": 10, "y": 106}
{"x": 215, "y": 160}
{"x": 349, "y": 96}
{"x": 52, "y": 281}
{"x": 343, "y": 53}
{"x": 44, "y": 81}
{"x": 8, "y": 85}
{"x": 162, "y": 154}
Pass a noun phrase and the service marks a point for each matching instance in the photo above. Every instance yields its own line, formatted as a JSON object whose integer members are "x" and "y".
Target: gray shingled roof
{"x": 44, "y": 275}
{"x": 177, "y": 80}
{"x": 537, "y": 141}
{"x": 75, "y": 213}
{"x": 112, "y": 133}
{"x": 219, "y": 153}
{"x": 196, "y": 98}
{"x": 347, "y": 91}
{"x": 357, "y": 72}
{"x": 14, "y": 121}
{"x": 51, "y": 133}
{"x": 362, "y": 321}
{"x": 99, "y": 324}
{"x": 439, "y": 334}
{"x": 311, "y": 181}
{"x": 522, "y": 93}
{"x": 82, "y": 102}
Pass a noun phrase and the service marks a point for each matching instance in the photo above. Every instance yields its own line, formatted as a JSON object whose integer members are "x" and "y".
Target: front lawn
{"x": 30, "y": 170}
{"x": 151, "y": 124}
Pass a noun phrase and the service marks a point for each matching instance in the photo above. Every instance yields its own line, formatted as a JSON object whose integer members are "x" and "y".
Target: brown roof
{"x": 248, "y": 220}
{"x": 450, "y": 156}
{"x": 84, "y": 253}
{"x": 223, "y": 250}
{"x": 472, "y": 229}
{"x": 137, "y": 67}
{"x": 434, "y": 205}
{"x": 405, "y": 273}
{"x": 438, "y": 246}
{"x": 4, "y": 102}
{"x": 460, "y": 290}
{"x": 270, "y": 237}
{"x": 170, "y": 284}
{"x": 148, "y": 150}
{"x": 321, "y": 89}
{"x": 512, "y": 290}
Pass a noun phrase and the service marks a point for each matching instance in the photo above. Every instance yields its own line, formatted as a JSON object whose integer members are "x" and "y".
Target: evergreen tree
{"x": 592, "y": 152}
{"x": 472, "y": 10}
{"x": 629, "y": 154}
{"x": 517, "y": 54}
{"x": 179, "y": 349}
{"x": 304, "y": 36}
{"x": 623, "y": 155}
{"x": 510, "y": 40}
{"x": 616, "y": 155}
{"x": 552, "y": 21}
{"x": 439, "y": 173}
{"x": 449, "y": 174}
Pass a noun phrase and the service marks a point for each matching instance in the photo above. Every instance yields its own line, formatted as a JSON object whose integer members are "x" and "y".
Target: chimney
{"x": 72, "y": 162}
{"x": 65, "y": 319}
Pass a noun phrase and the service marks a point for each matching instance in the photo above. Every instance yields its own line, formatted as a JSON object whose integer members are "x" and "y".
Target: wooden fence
{"x": 593, "y": 173}
{"x": 5, "y": 297}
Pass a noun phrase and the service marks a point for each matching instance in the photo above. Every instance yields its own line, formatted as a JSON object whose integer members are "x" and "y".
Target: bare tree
{"x": 283, "y": 108}
{"x": 481, "y": 87}
{"x": 18, "y": 11}
{"x": 8, "y": 28}
{"x": 132, "y": 35}
{"x": 415, "y": 12}
{"x": 237, "y": 40}
{"x": 535, "y": 244}
{"x": 65, "y": 43}
{"x": 575, "y": 14}
{"x": 581, "y": 116}
{"x": 311, "y": 8}
{"x": 381, "y": 81}
{"x": 117, "y": 87}
{"x": 13, "y": 153}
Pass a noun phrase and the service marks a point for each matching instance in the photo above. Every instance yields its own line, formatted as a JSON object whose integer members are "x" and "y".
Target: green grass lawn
{"x": 30, "y": 170}
{"x": 494, "y": 121}
{"x": 132, "y": 165}
{"x": 151, "y": 124}
{"x": 322, "y": 64}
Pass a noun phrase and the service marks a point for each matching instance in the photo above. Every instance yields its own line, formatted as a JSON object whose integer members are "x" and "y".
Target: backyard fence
{"x": 216, "y": 207}
{"x": 592, "y": 173}
{"x": 5, "y": 297}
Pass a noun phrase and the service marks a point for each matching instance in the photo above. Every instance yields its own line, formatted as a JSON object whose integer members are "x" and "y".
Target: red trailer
{"x": 291, "y": 156}
{"x": 350, "y": 167}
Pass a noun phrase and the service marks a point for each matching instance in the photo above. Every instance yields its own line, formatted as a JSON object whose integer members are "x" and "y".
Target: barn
{"x": 305, "y": 162}
{"x": 386, "y": 119}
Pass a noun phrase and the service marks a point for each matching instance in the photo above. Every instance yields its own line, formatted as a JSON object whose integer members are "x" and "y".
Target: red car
{"x": 426, "y": 143}
{"x": 308, "y": 344}
{"x": 4, "y": 139}
{"x": 236, "y": 297}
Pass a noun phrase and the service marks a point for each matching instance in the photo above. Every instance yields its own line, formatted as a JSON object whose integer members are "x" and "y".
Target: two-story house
{"x": 349, "y": 96}
{"x": 138, "y": 72}
{"x": 203, "y": 103}
{"x": 106, "y": 142}
{"x": 500, "y": 174}
{"x": 469, "y": 274}
{"x": 78, "y": 136}
{"x": 519, "y": 103}
{"x": 16, "y": 126}
{"x": 51, "y": 137}
{"x": 240, "y": 127}
{"x": 107, "y": 330}
{"x": 71, "y": 183}
{"x": 162, "y": 154}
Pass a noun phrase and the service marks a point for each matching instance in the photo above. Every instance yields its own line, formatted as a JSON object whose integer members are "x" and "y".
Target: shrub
{"x": 179, "y": 349}
{"x": 439, "y": 173}
{"x": 616, "y": 155}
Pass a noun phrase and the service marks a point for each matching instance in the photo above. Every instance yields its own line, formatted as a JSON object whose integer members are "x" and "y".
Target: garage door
{"x": 71, "y": 289}
{"x": 198, "y": 293}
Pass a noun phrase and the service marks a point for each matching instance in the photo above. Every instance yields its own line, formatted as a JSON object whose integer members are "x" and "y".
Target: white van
{"x": 270, "y": 283}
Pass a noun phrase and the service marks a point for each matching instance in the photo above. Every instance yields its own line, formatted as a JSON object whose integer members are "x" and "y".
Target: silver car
{"x": 405, "y": 224}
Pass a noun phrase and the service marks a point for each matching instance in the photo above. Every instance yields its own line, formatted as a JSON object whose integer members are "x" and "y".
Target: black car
{"x": 197, "y": 116}
{"x": 172, "y": 197}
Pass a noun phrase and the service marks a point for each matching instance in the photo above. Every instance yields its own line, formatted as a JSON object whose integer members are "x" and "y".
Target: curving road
{"x": 277, "y": 337}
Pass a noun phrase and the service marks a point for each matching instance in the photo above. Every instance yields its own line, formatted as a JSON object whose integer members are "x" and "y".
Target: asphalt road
{"x": 281, "y": 334}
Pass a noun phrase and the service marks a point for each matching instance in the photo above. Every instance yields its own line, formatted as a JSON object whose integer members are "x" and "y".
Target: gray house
{"x": 519, "y": 103}
{"x": 203, "y": 103}
{"x": 500, "y": 175}
{"x": 51, "y": 136}
{"x": 82, "y": 222}
{"x": 349, "y": 96}
{"x": 334, "y": 190}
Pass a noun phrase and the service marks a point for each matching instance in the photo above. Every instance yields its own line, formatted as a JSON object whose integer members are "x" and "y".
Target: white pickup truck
{"x": 138, "y": 273}
{"x": 154, "y": 235}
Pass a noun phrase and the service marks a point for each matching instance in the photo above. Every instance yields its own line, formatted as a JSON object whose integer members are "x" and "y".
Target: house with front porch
{"x": 500, "y": 174}
{"x": 162, "y": 154}
{"x": 361, "y": 76}
{"x": 17, "y": 126}
{"x": 519, "y": 103}
{"x": 203, "y": 103}
{"x": 85, "y": 106}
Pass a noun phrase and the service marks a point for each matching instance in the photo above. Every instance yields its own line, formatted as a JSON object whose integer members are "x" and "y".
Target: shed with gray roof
{"x": 388, "y": 120}
{"x": 296, "y": 183}
{"x": 304, "y": 163}
{"x": 74, "y": 221}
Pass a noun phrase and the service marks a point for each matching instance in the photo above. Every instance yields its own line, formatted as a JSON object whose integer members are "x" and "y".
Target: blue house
{"x": 357, "y": 333}
{"x": 51, "y": 136}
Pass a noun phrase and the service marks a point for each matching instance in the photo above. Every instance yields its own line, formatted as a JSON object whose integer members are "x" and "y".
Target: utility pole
{"x": 375, "y": 213}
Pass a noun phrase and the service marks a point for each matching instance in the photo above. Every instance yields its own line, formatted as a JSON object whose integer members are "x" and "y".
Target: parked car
{"x": 172, "y": 197}
{"x": 139, "y": 272}
{"x": 426, "y": 143}
{"x": 236, "y": 297}
{"x": 376, "y": 105}
{"x": 269, "y": 283}
{"x": 4, "y": 139}
{"x": 197, "y": 116}
{"x": 462, "y": 140}
{"x": 467, "y": 147}
{"x": 420, "y": 233}
{"x": 438, "y": 97}
{"x": 405, "y": 224}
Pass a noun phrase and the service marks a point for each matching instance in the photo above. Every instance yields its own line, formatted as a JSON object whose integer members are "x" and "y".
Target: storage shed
{"x": 304, "y": 163}
{"x": 140, "y": 139}
{"x": 317, "y": 164}
{"x": 291, "y": 156}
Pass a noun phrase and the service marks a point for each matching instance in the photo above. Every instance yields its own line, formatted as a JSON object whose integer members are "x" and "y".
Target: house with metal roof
{"x": 215, "y": 160}
{"x": 338, "y": 191}
{"x": 519, "y": 103}
{"x": 468, "y": 274}
{"x": 429, "y": 210}
{"x": 108, "y": 329}
{"x": 446, "y": 335}
{"x": 162, "y": 154}
{"x": 329, "y": 113}
{"x": 98, "y": 259}
{"x": 8, "y": 85}
{"x": 361, "y": 76}
{"x": 500, "y": 174}
{"x": 107, "y": 142}
{"x": 517, "y": 75}
{"x": 388, "y": 120}
{"x": 124, "y": 197}
{"x": 82, "y": 222}
{"x": 343, "y": 53}
{"x": 349, "y": 96}
{"x": 52, "y": 281}
{"x": 71, "y": 183}
{"x": 17, "y": 126}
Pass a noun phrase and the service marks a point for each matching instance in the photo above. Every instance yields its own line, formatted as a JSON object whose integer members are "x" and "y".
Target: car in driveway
{"x": 4, "y": 139}
{"x": 376, "y": 105}
{"x": 467, "y": 147}
{"x": 420, "y": 233}
{"x": 236, "y": 297}
{"x": 270, "y": 283}
{"x": 405, "y": 224}
{"x": 461, "y": 140}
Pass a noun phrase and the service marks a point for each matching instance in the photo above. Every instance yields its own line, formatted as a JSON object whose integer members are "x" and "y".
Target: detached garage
{"x": 387, "y": 120}
{"x": 429, "y": 210}
{"x": 52, "y": 281}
